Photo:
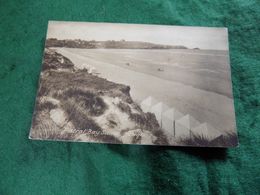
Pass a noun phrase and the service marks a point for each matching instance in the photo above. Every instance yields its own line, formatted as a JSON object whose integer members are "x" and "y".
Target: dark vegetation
{"x": 56, "y": 81}
{"x": 92, "y": 103}
{"x": 161, "y": 138}
{"x": 45, "y": 106}
{"x": 77, "y": 43}
{"x": 137, "y": 139}
{"x": 78, "y": 117}
{"x": 110, "y": 44}
{"x": 54, "y": 60}
{"x": 143, "y": 120}
{"x": 228, "y": 140}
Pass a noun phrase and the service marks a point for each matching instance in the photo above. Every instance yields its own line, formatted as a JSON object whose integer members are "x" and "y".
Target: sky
{"x": 191, "y": 37}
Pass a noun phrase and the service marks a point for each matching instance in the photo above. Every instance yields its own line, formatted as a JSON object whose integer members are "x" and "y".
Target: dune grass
{"x": 45, "y": 106}
{"x": 94, "y": 105}
{"x": 79, "y": 119}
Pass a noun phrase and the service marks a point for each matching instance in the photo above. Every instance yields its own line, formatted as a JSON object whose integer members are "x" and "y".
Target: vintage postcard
{"x": 135, "y": 84}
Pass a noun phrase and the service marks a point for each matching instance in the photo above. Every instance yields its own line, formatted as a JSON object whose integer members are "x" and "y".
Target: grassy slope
{"x": 80, "y": 97}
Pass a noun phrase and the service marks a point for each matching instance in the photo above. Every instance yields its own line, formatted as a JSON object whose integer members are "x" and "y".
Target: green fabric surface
{"x": 42, "y": 167}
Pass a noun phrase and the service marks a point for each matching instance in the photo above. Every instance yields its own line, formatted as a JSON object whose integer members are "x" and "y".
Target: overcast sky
{"x": 191, "y": 37}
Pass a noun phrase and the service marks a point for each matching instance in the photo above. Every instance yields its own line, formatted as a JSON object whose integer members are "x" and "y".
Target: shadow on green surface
{"x": 198, "y": 152}
{"x": 166, "y": 163}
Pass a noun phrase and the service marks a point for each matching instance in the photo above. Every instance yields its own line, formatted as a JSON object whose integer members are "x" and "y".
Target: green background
{"x": 41, "y": 167}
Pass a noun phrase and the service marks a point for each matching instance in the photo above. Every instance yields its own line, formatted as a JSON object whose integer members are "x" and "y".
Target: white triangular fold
{"x": 184, "y": 125}
{"x": 147, "y": 103}
{"x": 168, "y": 120}
{"x": 207, "y": 131}
{"x": 188, "y": 121}
{"x": 158, "y": 109}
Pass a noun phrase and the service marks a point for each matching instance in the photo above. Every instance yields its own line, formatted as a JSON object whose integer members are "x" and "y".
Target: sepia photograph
{"x": 135, "y": 84}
